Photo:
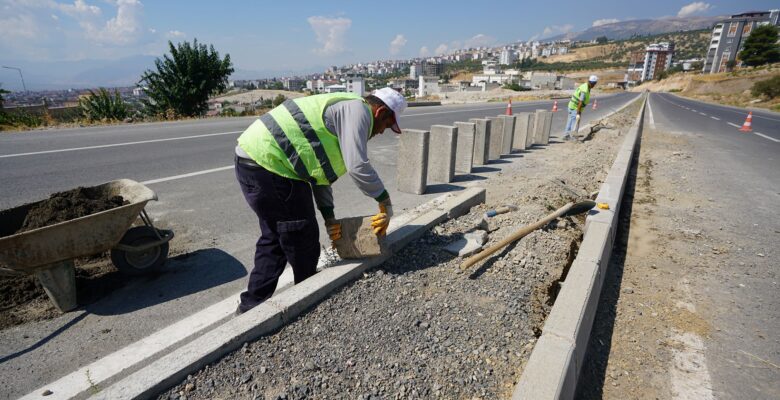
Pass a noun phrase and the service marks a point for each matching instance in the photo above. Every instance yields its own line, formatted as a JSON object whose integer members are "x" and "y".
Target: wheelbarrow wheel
{"x": 143, "y": 261}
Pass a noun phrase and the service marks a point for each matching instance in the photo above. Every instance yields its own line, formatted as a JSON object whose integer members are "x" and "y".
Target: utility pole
{"x": 20, "y": 75}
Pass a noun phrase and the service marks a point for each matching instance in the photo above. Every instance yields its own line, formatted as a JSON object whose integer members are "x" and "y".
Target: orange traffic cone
{"x": 555, "y": 106}
{"x": 509, "y": 107}
{"x": 747, "y": 126}
{"x": 595, "y": 104}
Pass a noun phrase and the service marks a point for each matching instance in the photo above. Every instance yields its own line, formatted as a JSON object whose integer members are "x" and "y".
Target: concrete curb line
{"x": 555, "y": 362}
{"x": 423, "y": 103}
{"x": 277, "y": 311}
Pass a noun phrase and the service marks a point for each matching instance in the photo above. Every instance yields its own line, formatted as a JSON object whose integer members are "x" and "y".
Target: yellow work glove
{"x": 334, "y": 229}
{"x": 381, "y": 220}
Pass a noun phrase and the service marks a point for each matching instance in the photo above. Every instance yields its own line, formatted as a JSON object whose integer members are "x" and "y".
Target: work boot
{"x": 566, "y": 137}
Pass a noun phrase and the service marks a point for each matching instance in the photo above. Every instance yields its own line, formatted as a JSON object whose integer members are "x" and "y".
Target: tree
{"x": 761, "y": 47}
{"x": 602, "y": 40}
{"x": 103, "y": 106}
{"x": 185, "y": 79}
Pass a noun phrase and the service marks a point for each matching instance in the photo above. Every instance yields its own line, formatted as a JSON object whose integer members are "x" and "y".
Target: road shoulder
{"x": 686, "y": 273}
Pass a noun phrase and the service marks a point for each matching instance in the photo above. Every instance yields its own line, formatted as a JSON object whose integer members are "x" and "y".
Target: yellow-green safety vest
{"x": 292, "y": 141}
{"x": 575, "y": 98}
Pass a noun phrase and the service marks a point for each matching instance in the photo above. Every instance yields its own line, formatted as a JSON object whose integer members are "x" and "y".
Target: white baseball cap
{"x": 593, "y": 78}
{"x": 395, "y": 102}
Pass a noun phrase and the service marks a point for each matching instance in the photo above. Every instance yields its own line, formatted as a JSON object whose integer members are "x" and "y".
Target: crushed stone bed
{"x": 416, "y": 327}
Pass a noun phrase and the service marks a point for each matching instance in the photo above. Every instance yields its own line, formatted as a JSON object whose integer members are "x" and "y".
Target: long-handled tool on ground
{"x": 577, "y": 126}
{"x": 567, "y": 210}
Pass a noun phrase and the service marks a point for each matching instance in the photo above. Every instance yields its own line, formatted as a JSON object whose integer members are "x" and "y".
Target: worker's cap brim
{"x": 395, "y": 126}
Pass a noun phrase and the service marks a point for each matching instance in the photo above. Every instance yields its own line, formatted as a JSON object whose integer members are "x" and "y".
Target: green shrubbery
{"x": 516, "y": 87}
{"x": 103, "y": 106}
{"x": 769, "y": 88}
{"x": 20, "y": 119}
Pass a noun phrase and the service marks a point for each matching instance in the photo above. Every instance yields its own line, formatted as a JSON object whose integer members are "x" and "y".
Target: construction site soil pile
{"x": 417, "y": 327}
{"x": 72, "y": 204}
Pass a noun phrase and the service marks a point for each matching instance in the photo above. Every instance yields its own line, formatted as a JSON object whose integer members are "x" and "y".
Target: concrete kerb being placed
{"x": 554, "y": 366}
{"x": 281, "y": 309}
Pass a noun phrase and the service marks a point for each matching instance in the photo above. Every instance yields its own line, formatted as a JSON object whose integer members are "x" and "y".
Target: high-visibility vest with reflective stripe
{"x": 575, "y": 98}
{"x": 292, "y": 141}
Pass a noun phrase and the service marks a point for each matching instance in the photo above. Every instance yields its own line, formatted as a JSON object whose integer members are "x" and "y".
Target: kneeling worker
{"x": 298, "y": 149}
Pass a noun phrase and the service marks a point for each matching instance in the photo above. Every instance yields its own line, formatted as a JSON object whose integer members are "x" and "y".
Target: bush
{"x": 103, "y": 105}
{"x": 769, "y": 88}
{"x": 516, "y": 87}
{"x": 20, "y": 119}
{"x": 279, "y": 99}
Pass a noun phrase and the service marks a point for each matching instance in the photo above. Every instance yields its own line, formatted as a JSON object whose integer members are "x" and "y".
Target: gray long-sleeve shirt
{"x": 350, "y": 120}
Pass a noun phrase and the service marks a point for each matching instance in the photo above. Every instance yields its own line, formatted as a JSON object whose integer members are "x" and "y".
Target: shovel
{"x": 567, "y": 210}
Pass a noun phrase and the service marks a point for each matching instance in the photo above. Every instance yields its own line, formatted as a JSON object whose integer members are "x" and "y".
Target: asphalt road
{"x": 189, "y": 165}
{"x": 758, "y": 151}
{"x": 742, "y": 181}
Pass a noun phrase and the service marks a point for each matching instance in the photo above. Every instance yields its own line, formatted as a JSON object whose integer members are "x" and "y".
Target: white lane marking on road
{"x": 191, "y": 174}
{"x": 692, "y": 110}
{"x": 743, "y": 113}
{"x": 103, "y": 146}
{"x": 97, "y": 373}
{"x": 652, "y": 118}
{"x": 715, "y": 118}
{"x": 703, "y": 114}
{"x": 458, "y": 111}
{"x": 733, "y": 124}
{"x": 689, "y": 375}
{"x": 767, "y": 137}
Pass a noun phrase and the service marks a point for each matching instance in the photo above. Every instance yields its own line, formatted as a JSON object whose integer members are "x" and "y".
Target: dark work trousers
{"x": 288, "y": 228}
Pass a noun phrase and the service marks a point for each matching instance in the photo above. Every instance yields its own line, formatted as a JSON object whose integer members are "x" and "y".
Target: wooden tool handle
{"x": 519, "y": 234}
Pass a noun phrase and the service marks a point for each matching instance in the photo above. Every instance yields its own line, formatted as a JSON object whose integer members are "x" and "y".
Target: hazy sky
{"x": 264, "y": 35}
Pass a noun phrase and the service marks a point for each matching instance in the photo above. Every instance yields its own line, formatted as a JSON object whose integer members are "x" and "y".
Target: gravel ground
{"x": 416, "y": 327}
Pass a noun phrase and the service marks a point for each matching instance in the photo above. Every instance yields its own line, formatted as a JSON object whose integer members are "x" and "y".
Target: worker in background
{"x": 297, "y": 150}
{"x": 578, "y": 101}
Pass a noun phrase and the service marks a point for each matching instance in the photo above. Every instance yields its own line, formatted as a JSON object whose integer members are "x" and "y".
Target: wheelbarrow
{"x": 48, "y": 252}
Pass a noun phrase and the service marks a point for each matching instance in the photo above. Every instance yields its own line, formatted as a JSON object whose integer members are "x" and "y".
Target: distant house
{"x": 335, "y": 88}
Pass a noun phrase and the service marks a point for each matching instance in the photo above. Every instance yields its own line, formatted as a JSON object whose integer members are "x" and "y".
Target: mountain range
{"x": 641, "y": 27}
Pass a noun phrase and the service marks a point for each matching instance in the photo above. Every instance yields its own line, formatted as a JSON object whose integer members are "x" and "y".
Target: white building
{"x": 427, "y": 85}
{"x": 355, "y": 84}
{"x": 335, "y": 88}
{"x": 508, "y": 57}
{"x": 414, "y": 71}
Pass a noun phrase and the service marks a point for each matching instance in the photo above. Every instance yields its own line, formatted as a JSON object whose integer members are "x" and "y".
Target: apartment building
{"x": 658, "y": 58}
{"x": 728, "y": 37}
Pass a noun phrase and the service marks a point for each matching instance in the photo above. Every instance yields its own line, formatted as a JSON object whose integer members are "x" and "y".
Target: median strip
{"x": 554, "y": 366}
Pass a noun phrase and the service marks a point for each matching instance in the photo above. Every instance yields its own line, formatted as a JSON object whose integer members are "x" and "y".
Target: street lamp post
{"x": 20, "y": 75}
